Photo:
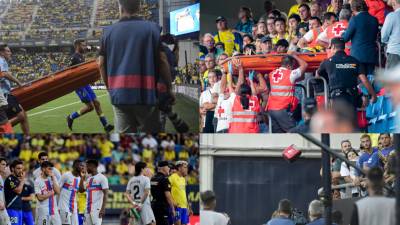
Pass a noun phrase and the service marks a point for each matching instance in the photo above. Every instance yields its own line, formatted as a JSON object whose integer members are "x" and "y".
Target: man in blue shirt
{"x": 284, "y": 211}
{"x": 13, "y": 187}
{"x": 367, "y": 152}
{"x": 390, "y": 35}
{"x": 379, "y": 158}
{"x": 15, "y": 112}
{"x": 316, "y": 213}
{"x": 362, "y": 32}
{"x": 135, "y": 71}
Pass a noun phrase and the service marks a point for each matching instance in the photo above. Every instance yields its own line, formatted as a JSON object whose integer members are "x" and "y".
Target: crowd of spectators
{"x": 15, "y": 21}
{"x": 116, "y": 153}
{"x": 306, "y": 27}
{"x": 31, "y": 64}
{"x": 375, "y": 151}
{"x": 107, "y": 12}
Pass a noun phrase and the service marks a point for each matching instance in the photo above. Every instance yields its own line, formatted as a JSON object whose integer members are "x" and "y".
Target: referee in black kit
{"x": 162, "y": 203}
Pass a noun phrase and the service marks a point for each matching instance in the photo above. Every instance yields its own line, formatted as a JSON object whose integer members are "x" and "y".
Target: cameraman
{"x": 135, "y": 70}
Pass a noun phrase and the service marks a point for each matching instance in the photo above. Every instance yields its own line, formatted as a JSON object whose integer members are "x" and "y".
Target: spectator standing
{"x": 225, "y": 36}
{"x": 283, "y": 213}
{"x": 207, "y": 214}
{"x": 390, "y": 35}
{"x": 135, "y": 81}
{"x": 245, "y": 24}
{"x": 362, "y": 32}
{"x": 376, "y": 208}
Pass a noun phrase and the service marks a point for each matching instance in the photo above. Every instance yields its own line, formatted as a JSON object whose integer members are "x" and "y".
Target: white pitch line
{"x": 59, "y": 107}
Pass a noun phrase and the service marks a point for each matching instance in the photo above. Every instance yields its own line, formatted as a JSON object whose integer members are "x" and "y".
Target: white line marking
{"x": 59, "y": 107}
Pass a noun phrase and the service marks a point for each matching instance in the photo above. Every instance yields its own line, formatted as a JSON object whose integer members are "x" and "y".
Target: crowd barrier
{"x": 190, "y": 91}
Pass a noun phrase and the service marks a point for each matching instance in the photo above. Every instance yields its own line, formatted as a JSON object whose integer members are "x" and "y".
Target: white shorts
{"x": 4, "y": 218}
{"x": 69, "y": 218}
{"x": 93, "y": 218}
{"x": 147, "y": 215}
{"x": 46, "y": 219}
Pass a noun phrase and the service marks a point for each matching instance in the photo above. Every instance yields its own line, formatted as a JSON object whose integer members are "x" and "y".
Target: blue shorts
{"x": 15, "y": 216}
{"x": 86, "y": 94}
{"x": 27, "y": 217}
{"x": 182, "y": 215}
{"x": 81, "y": 218}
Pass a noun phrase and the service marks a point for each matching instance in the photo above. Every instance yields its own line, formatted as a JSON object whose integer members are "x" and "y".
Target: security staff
{"x": 342, "y": 72}
{"x": 162, "y": 203}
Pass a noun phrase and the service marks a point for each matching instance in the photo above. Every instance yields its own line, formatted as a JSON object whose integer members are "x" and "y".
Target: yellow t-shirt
{"x": 105, "y": 148}
{"x": 25, "y": 155}
{"x": 53, "y": 155}
{"x": 178, "y": 190}
{"x": 81, "y": 202}
{"x": 330, "y": 8}
{"x": 12, "y": 143}
{"x": 121, "y": 168}
{"x": 276, "y": 38}
{"x": 294, "y": 10}
{"x": 37, "y": 142}
{"x": 183, "y": 155}
{"x": 63, "y": 157}
{"x": 147, "y": 153}
{"x": 228, "y": 39}
{"x": 169, "y": 155}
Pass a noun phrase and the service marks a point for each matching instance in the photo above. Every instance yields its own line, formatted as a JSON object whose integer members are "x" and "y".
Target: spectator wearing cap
{"x": 226, "y": 36}
{"x": 309, "y": 109}
{"x": 376, "y": 208}
{"x": 362, "y": 32}
{"x": 316, "y": 212}
{"x": 280, "y": 28}
{"x": 283, "y": 213}
{"x": 249, "y": 49}
{"x": 390, "y": 35}
{"x": 305, "y": 16}
{"x": 294, "y": 9}
{"x": 245, "y": 24}
{"x": 266, "y": 45}
{"x": 207, "y": 213}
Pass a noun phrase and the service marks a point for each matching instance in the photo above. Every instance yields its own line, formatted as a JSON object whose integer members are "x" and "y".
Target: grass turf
{"x": 51, "y": 117}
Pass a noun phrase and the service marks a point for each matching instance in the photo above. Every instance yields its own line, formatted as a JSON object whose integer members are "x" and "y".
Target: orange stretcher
{"x": 56, "y": 85}
{"x": 269, "y": 62}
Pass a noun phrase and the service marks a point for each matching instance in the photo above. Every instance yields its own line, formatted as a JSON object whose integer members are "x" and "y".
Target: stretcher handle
{"x": 326, "y": 88}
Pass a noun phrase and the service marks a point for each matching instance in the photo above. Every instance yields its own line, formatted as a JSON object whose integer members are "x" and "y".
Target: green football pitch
{"x": 51, "y": 117}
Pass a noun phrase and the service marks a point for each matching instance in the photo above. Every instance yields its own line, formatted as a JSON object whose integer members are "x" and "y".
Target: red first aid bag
{"x": 291, "y": 153}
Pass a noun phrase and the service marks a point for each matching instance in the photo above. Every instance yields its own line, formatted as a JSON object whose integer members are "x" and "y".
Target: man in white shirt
{"x": 4, "y": 218}
{"x": 96, "y": 187}
{"x": 43, "y": 157}
{"x": 138, "y": 193}
{"x": 207, "y": 214}
{"x": 68, "y": 195}
{"x": 46, "y": 187}
{"x": 149, "y": 141}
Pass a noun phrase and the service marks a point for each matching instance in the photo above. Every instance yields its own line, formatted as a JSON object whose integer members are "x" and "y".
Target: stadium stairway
{"x": 28, "y": 28}
{"x": 381, "y": 116}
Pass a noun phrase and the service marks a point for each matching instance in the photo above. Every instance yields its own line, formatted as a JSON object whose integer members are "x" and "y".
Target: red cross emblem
{"x": 277, "y": 76}
{"x": 338, "y": 30}
{"x": 220, "y": 111}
